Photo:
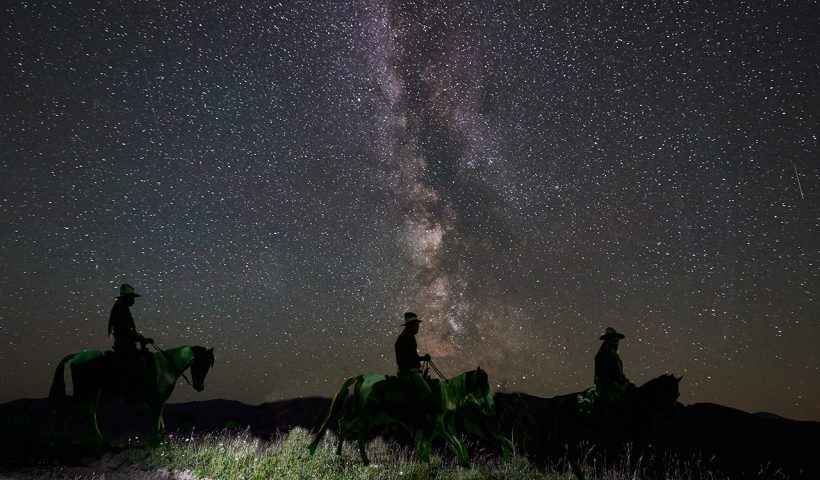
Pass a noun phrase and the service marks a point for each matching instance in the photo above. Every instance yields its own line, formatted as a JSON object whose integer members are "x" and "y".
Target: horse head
{"x": 202, "y": 362}
{"x": 478, "y": 391}
{"x": 662, "y": 392}
{"x": 670, "y": 392}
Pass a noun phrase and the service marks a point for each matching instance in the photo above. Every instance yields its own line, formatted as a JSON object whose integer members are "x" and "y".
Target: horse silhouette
{"x": 630, "y": 420}
{"x": 98, "y": 377}
{"x": 381, "y": 400}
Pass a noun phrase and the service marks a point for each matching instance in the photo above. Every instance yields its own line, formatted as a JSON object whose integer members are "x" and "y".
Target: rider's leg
{"x": 424, "y": 395}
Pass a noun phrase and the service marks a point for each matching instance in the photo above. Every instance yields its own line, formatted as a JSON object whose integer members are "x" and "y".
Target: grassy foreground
{"x": 243, "y": 456}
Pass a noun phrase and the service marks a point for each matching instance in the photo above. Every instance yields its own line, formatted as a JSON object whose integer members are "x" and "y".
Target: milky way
{"x": 282, "y": 181}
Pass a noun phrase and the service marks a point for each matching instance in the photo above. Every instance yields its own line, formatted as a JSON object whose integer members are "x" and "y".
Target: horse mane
{"x": 476, "y": 377}
{"x": 199, "y": 351}
{"x": 464, "y": 383}
{"x": 186, "y": 353}
{"x": 661, "y": 388}
{"x": 661, "y": 381}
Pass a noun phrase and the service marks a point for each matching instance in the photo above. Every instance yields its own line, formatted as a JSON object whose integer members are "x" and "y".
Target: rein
{"x": 438, "y": 372}
{"x": 168, "y": 357}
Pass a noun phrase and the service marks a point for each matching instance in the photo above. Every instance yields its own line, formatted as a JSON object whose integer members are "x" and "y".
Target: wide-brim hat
{"x": 127, "y": 291}
{"x": 610, "y": 333}
{"x": 410, "y": 318}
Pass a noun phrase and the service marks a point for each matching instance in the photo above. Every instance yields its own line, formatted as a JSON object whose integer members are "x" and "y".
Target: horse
{"x": 630, "y": 420}
{"x": 99, "y": 377}
{"x": 381, "y": 400}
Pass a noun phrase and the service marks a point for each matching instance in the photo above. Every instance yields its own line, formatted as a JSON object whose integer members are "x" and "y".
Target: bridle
{"x": 171, "y": 361}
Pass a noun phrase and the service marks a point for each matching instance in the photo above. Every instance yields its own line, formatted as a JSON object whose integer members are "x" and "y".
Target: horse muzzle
{"x": 487, "y": 407}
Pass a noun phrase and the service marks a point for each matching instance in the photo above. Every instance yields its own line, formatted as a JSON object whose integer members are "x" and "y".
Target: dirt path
{"x": 110, "y": 466}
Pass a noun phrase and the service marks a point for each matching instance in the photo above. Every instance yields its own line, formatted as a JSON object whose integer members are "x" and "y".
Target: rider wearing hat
{"x": 609, "y": 370}
{"x": 121, "y": 323}
{"x": 408, "y": 359}
{"x": 133, "y": 372}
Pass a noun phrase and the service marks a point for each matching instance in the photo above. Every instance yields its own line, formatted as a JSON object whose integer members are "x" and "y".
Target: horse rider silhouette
{"x": 121, "y": 324}
{"x": 409, "y": 363}
{"x": 610, "y": 382}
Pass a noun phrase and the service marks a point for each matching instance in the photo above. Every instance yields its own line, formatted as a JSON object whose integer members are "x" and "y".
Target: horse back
{"x": 563, "y": 404}
{"x": 91, "y": 364}
{"x": 87, "y": 356}
{"x": 367, "y": 381}
{"x": 115, "y": 373}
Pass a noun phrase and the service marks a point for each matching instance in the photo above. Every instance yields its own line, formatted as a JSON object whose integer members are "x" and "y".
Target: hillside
{"x": 729, "y": 440}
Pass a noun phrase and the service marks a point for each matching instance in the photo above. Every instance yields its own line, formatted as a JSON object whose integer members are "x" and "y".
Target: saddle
{"x": 130, "y": 372}
{"x": 595, "y": 403}
{"x": 400, "y": 393}
{"x": 588, "y": 400}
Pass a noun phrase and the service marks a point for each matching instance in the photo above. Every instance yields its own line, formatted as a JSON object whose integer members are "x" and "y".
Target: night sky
{"x": 283, "y": 180}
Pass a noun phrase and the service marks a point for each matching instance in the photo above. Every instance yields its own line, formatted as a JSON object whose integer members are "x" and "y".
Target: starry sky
{"x": 283, "y": 180}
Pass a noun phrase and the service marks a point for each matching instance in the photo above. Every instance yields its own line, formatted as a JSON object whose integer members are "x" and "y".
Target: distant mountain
{"x": 30, "y": 417}
{"x": 771, "y": 416}
{"x": 730, "y": 440}
{"x": 742, "y": 442}
{"x": 727, "y": 439}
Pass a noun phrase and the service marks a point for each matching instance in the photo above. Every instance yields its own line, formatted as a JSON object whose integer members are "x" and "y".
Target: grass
{"x": 231, "y": 455}
{"x": 242, "y": 456}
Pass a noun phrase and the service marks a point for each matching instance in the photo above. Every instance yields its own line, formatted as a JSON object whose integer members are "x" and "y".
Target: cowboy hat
{"x": 409, "y": 318}
{"x": 610, "y": 332}
{"x": 127, "y": 291}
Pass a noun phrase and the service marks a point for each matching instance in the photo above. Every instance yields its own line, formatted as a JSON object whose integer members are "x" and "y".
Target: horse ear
{"x": 211, "y": 350}
{"x": 478, "y": 369}
{"x": 680, "y": 378}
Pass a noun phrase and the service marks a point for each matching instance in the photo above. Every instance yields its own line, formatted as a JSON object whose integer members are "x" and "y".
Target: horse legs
{"x": 634, "y": 462}
{"x": 645, "y": 455}
{"x": 459, "y": 450}
{"x": 361, "y": 428}
{"x": 573, "y": 454}
{"x": 423, "y": 445}
{"x": 344, "y": 426}
{"x": 362, "y": 434}
{"x": 158, "y": 422}
{"x": 361, "y": 439}
{"x": 61, "y": 415}
{"x": 89, "y": 405}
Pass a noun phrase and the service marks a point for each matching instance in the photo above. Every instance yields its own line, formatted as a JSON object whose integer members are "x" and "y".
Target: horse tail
{"x": 56, "y": 394}
{"x": 558, "y": 413}
{"x": 333, "y": 412}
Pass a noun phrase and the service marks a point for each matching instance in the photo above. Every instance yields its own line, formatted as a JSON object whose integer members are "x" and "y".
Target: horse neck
{"x": 651, "y": 393}
{"x": 179, "y": 358}
{"x": 650, "y": 387}
{"x": 455, "y": 390}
